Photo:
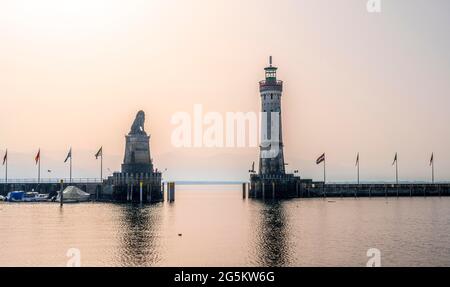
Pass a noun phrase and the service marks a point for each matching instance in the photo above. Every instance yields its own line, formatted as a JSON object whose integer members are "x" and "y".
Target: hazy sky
{"x": 74, "y": 73}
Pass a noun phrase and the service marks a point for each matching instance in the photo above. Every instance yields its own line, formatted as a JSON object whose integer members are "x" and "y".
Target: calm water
{"x": 219, "y": 228}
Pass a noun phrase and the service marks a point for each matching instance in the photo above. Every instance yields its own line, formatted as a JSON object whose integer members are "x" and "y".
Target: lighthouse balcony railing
{"x": 271, "y": 85}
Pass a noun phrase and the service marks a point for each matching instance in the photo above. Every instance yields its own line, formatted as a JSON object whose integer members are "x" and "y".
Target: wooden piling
{"x": 263, "y": 190}
{"x": 243, "y": 190}
{"x": 171, "y": 191}
{"x": 131, "y": 192}
{"x": 273, "y": 190}
{"x": 140, "y": 192}
{"x": 61, "y": 194}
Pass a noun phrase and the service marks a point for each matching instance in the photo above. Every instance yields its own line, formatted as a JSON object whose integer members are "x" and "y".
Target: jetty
{"x": 310, "y": 189}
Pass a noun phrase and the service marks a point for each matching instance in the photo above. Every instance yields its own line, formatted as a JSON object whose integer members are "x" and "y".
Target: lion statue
{"x": 138, "y": 124}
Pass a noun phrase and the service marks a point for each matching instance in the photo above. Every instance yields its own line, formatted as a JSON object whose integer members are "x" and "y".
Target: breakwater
{"x": 51, "y": 186}
{"x": 311, "y": 190}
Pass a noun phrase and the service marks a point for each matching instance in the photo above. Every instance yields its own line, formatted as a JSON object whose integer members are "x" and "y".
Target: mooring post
{"x": 140, "y": 192}
{"x": 243, "y": 190}
{"x": 171, "y": 191}
{"x": 131, "y": 192}
{"x": 168, "y": 192}
{"x": 61, "y": 194}
{"x": 149, "y": 192}
{"x": 263, "y": 190}
{"x": 273, "y": 189}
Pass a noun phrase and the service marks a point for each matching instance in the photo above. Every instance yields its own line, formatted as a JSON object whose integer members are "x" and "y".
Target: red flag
{"x": 38, "y": 156}
{"x": 357, "y": 160}
{"x": 432, "y": 159}
{"x": 5, "y": 157}
{"x": 320, "y": 159}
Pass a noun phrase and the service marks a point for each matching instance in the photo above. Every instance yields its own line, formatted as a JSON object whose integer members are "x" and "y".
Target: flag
{"x": 320, "y": 159}
{"x": 432, "y": 159}
{"x": 5, "y": 158}
{"x": 357, "y": 159}
{"x": 38, "y": 156}
{"x": 99, "y": 153}
{"x": 69, "y": 155}
{"x": 395, "y": 159}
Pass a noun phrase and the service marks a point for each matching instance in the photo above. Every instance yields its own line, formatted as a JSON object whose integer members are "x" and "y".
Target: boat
{"x": 42, "y": 197}
{"x": 22, "y": 196}
{"x": 30, "y": 196}
{"x": 2, "y": 198}
{"x": 15, "y": 196}
{"x": 73, "y": 194}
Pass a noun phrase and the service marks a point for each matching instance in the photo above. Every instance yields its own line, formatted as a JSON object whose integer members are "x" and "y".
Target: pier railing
{"x": 50, "y": 180}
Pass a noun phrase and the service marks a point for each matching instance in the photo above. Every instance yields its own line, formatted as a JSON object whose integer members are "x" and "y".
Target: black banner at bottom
{"x": 227, "y": 276}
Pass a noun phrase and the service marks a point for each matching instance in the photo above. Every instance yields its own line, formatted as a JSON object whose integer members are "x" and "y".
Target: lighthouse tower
{"x": 271, "y": 159}
{"x": 272, "y": 180}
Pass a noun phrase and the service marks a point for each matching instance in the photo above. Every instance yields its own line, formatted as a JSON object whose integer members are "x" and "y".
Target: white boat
{"x": 30, "y": 196}
{"x": 73, "y": 194}
{"x": 41, "y": 197}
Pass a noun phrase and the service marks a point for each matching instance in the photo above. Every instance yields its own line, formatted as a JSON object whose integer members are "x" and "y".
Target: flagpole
{"x": 39, "y": 167}
{"x": 101, "y": 167}
{"x": 6, "y": 170}
{"x": 396, "y": 170}
{"x": 70, "y": 165}
{"x": 324, "y": 171}
{"x": 358, "y": 168}
{"x": 432, "y": 168}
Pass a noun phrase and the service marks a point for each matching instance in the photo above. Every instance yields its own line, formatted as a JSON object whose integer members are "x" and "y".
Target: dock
{"x": 319, "y": 189}
{"x": 93, "y": 186}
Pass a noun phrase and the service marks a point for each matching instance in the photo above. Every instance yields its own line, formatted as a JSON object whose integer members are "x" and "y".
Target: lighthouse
{"x": 272, "y": 180}
{"x": 271, "y": 159}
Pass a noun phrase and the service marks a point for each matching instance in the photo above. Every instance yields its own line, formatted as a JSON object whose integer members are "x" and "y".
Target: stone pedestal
{"x": 137, "y": 154}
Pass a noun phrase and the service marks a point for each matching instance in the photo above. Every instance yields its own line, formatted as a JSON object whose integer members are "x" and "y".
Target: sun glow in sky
{"x": 74, "y": 73}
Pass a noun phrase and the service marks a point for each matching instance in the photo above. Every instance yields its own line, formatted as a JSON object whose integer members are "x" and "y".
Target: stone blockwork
{"x": 272, "y": 181}
{"x": 137, "y": 180}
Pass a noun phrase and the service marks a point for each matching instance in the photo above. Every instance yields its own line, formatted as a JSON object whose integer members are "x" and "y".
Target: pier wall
{"x": 318, "y": 189}
{"x": 49, "y": 187}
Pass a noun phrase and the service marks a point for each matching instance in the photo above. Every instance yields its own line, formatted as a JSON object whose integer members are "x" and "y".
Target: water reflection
{"x": 273, "y": 228}
{"x": 139, "y": 238}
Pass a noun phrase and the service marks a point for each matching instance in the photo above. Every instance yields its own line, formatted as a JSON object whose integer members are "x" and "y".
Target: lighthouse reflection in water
{"x": 214, "y": 226}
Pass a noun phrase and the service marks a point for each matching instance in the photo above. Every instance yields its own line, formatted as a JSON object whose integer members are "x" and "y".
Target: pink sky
{"x": 74, "y": 73}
